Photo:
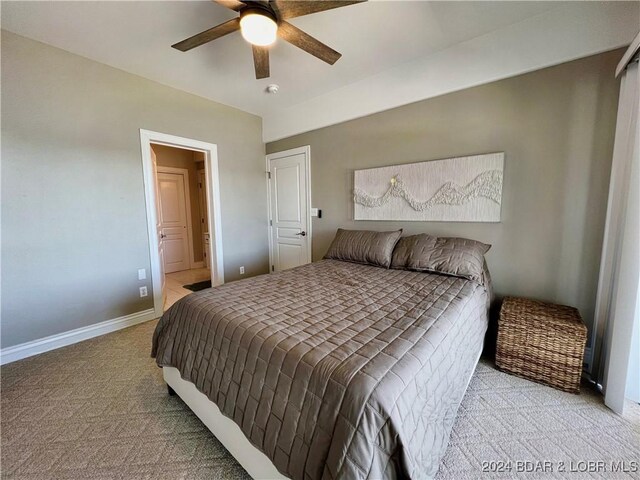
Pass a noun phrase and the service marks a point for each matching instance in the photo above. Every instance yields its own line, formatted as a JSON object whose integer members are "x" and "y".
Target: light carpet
{"x": 100, "y": 409}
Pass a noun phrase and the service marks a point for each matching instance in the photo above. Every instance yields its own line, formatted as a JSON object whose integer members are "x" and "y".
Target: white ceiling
{"x": 375, "y": 38}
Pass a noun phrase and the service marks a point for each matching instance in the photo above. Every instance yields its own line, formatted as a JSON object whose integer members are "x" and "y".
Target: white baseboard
{"x": 28, "y": 349}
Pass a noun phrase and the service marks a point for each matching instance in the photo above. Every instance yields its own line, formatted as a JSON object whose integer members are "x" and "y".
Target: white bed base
{"x": 256, "y": 463}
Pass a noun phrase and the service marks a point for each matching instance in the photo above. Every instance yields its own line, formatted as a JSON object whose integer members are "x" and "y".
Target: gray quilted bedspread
{"x": 334, "y": 370}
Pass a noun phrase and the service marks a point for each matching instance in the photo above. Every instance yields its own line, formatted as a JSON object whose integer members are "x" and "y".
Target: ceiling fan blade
{"x": 261, "y": 61}
{"x": 306, "y": 42}
{"x": 298, "y": 8}
{"x": 231, "y": 4}
{"x": 208, "y": 35}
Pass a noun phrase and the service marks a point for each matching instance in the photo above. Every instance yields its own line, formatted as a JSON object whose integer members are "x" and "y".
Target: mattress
{"x": 334, "y": 370}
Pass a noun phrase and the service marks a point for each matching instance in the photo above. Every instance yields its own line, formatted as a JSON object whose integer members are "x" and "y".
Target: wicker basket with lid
{"x": 542, "y": 342}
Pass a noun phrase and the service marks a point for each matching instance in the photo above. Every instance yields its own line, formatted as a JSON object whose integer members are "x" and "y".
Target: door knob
{"x": 162, "y": 235}
{"x": 302, "y": 234}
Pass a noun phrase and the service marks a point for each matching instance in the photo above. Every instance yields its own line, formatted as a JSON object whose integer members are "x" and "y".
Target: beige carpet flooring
{"x": 100, "y": 409}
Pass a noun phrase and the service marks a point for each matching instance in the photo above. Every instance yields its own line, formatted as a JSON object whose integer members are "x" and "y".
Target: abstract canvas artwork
{"x": 462, "y": 189}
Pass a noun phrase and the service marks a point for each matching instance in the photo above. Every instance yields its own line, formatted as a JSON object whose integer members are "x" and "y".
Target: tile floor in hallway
{"x": 175, "y": 281}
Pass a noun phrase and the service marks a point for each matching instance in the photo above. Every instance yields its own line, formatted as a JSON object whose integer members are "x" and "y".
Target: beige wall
{"x": 180, "y": 158}
{"x": 556, "y": 127}
{"x": 73, "y": 211}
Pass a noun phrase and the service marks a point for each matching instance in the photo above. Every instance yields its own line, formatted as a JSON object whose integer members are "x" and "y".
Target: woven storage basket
{"x": 542, "y": 342}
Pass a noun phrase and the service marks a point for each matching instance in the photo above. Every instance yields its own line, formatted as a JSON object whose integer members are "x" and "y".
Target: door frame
{"x": 288, "y": 153}
{"x": 210, "y": 150}
{"x": 187, "y": 202}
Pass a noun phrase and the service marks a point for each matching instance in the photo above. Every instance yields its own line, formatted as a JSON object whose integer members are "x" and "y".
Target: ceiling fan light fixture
{"x": 262, "y": 21}
{"x": 258, "y": 28}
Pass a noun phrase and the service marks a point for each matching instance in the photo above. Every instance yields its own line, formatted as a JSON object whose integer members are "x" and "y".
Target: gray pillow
{"x": 413, "y": 246}
{"x": 363, "y": 246}
{"x": 460, "y": 257}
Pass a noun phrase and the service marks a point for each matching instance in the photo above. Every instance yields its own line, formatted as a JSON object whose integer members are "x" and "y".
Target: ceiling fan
{"x": 261, "y": 21}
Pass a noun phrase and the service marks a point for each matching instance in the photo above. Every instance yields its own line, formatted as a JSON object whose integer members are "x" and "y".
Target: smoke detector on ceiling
{"x": 273, "y": 88}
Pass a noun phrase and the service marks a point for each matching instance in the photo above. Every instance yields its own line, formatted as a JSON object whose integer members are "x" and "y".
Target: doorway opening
{"x": 183, "y": 216}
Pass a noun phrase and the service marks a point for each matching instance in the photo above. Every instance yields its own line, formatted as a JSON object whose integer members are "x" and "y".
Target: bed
{"x": 332, "y": 370}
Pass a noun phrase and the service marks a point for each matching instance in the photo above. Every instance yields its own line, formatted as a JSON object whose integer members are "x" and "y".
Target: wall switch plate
{"x": 142, "y": 274}
{"x": 314, "y": 212}
{"x": 241, "y": 270}
{"x": 143, "y": 292}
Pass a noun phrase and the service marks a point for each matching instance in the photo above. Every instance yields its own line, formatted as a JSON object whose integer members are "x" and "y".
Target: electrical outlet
{"x": 142, "y": 274}
{"x": 143, "y": 292}
{"x": 241, "y": 270}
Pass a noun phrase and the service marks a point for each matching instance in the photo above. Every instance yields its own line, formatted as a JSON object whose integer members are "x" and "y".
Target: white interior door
{"x": 159, "y": 225}
{"x": 154, "y": 160}
{"x": 173, "y": 222}
{"x": 204, "y": 217}
{"x": 202, "y": 197}
{"x": 289, "y": 202}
